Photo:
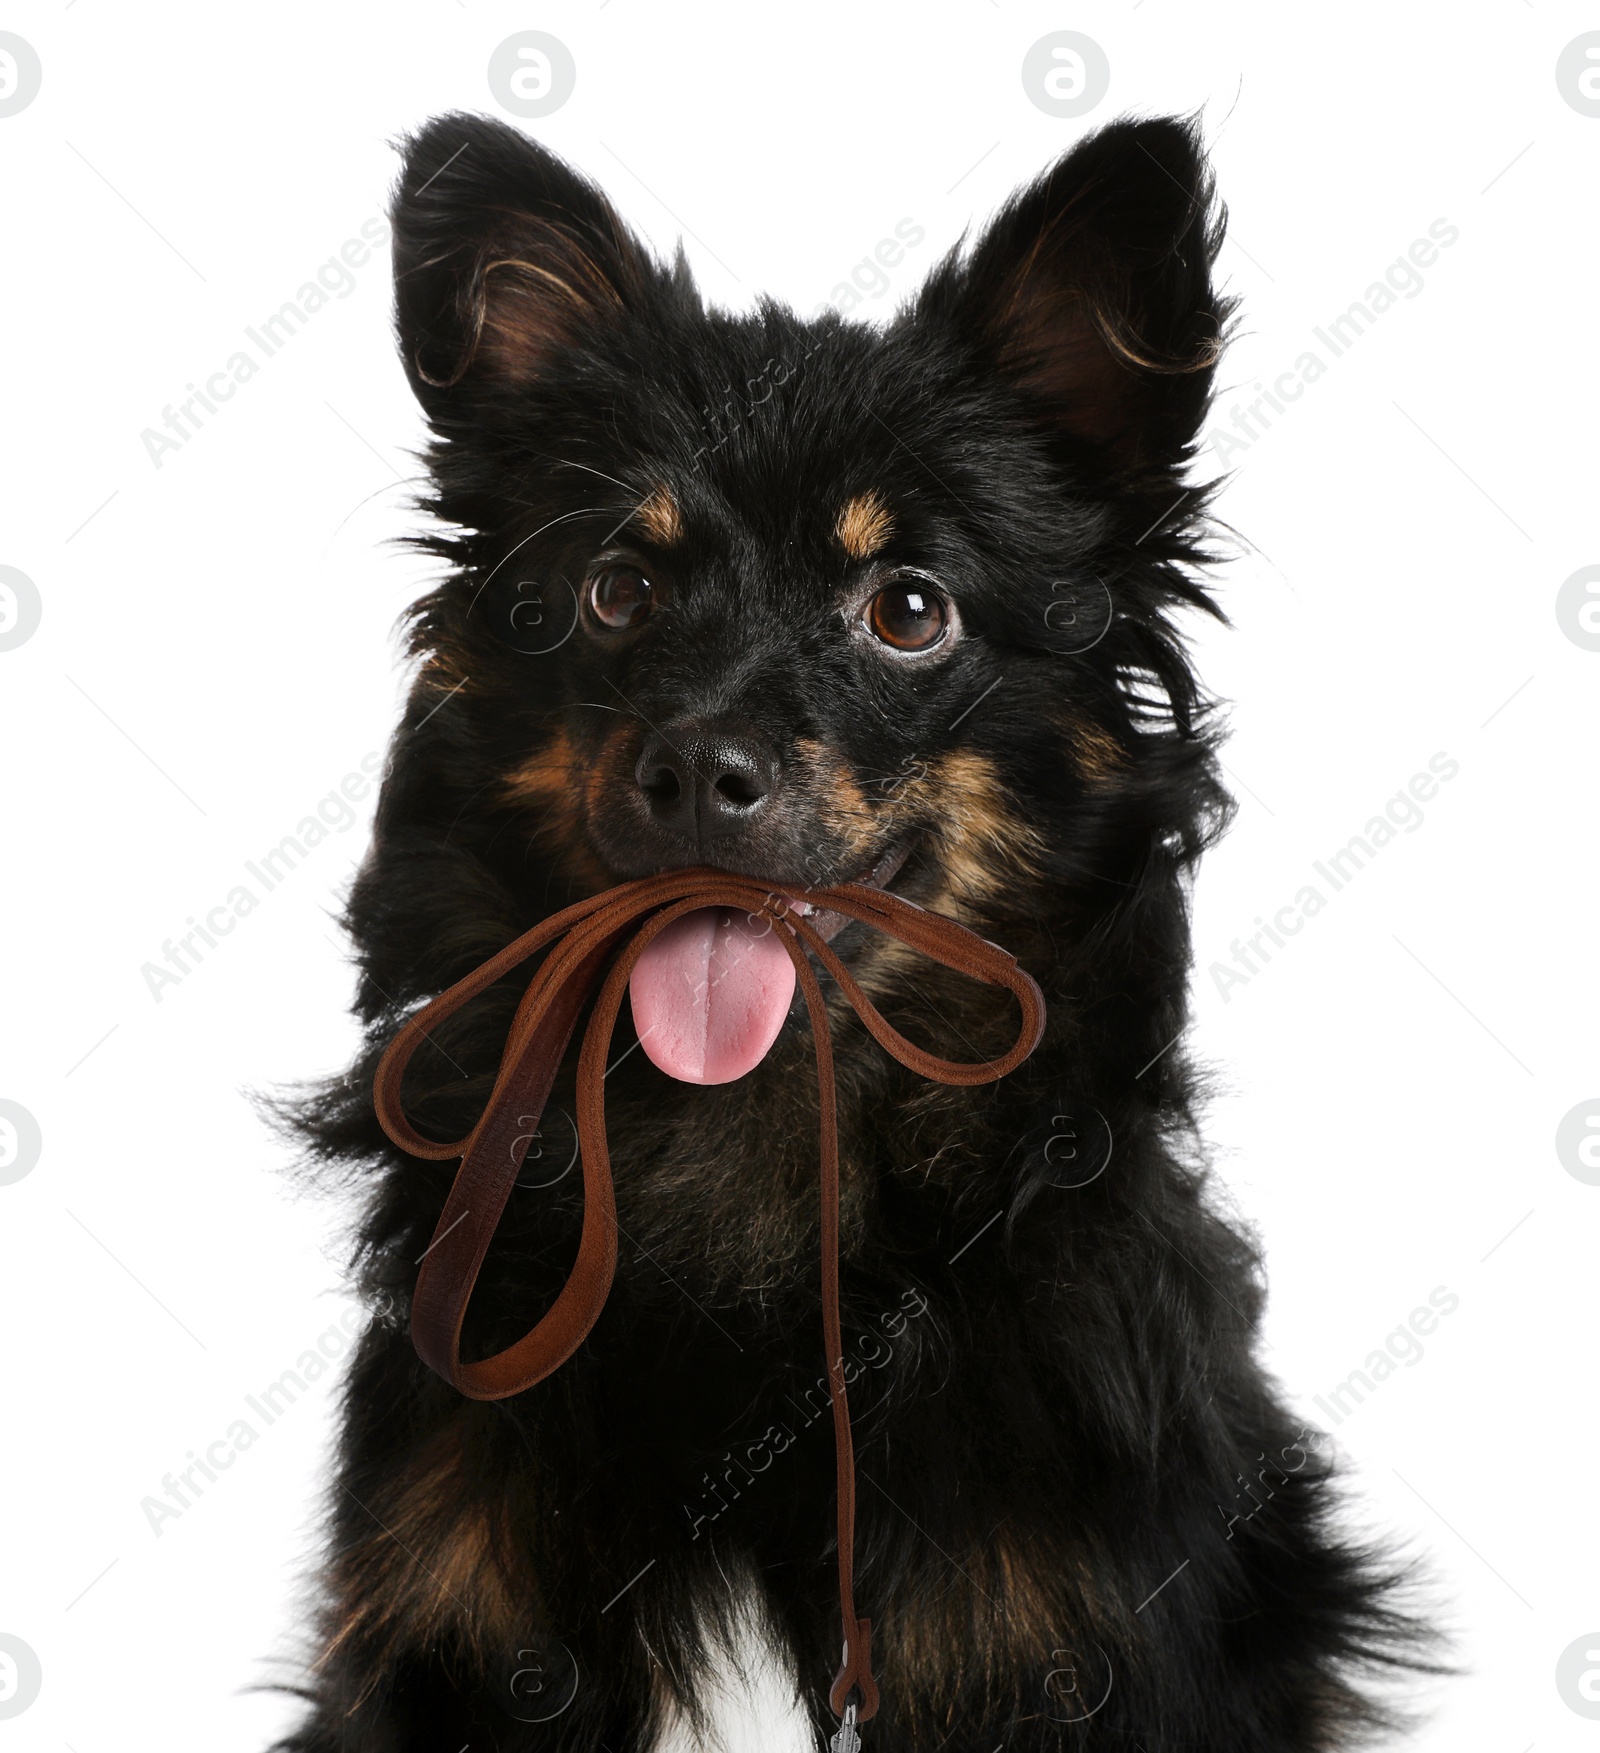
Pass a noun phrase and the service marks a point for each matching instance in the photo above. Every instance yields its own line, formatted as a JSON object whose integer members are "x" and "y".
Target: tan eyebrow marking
{"x": 864, "y": 525}
{"x": 660, "y": 518}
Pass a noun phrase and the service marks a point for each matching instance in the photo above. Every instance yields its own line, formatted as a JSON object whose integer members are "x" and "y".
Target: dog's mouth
{"x": 828, "y": 924}
{"x": 712, "y": 992}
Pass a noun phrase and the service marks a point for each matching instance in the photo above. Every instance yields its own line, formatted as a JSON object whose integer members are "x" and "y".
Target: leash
{"x": 578, "y": 941}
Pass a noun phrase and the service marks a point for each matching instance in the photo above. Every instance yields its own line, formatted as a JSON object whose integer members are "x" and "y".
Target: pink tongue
{"x": 710, "y": 994}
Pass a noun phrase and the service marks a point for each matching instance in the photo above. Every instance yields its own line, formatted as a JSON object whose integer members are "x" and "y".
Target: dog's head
{"x": 804, "y": 599}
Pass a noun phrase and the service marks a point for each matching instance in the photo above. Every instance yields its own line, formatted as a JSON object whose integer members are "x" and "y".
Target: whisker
{"x": 388, "y": 487}
{"x": 568, "y": 463}
{"x": 565, "y": 517}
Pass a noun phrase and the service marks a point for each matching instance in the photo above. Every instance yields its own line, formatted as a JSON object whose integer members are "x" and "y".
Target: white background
{"x": 216, "y": 654}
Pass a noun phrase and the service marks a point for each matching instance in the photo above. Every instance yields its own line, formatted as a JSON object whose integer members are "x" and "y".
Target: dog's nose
{"x": 703, "y": 781}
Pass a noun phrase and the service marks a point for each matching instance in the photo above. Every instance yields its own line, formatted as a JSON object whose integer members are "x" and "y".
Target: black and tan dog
{"x": 818, "y": 602}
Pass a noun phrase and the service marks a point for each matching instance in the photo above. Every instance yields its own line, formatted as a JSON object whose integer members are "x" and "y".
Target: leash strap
{"x": 578, "y": 942}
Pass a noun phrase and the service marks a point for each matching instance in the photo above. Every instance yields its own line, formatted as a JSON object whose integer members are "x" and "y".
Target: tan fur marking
{"x": 982, "y": 850}
{"x": 547, "y": 776}
{"x": 610, "y": 765}
{"x": 844, "y": 811}
{"x": 429, "y": 1566}
{"x": 1098, "y": 756}
{"x": 864, "y": 525}
{"x": 1005, "y": 1614}
{"x": 551, "y": 782}
{"x": 660, "y": 519}
{"x": 442, "y": 673}
{"x": 984, "y": 847}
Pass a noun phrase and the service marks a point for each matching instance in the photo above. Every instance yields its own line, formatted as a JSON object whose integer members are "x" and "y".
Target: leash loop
{"x": 577, "y": 944}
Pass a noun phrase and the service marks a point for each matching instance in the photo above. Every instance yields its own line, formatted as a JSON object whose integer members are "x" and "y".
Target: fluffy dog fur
{"x": 1075, "y": 1476}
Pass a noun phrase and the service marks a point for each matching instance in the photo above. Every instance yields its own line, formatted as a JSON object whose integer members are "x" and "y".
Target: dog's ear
{"x": 1091, "y": 293}
{"x": 504, "y": 258}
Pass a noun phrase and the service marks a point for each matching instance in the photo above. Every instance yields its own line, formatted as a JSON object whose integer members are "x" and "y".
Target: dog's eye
{"x": 620, "y": 596}
{"x": 908, "y": 616}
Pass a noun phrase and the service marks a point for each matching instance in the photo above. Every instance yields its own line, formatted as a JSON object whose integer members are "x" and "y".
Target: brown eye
{"x": 909, "y": 616}
{"x": 620, "y": 597}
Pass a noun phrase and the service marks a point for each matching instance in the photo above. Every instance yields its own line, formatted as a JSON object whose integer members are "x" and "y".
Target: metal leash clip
{"x": 845, "y": 1738}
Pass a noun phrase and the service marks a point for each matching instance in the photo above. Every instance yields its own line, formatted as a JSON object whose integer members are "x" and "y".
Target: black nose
{"x": 703, "y": 781}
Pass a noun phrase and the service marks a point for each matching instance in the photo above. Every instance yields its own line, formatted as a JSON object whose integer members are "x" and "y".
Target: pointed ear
{"x": 1091, "y": 293}
{"x": 504, "y": 258}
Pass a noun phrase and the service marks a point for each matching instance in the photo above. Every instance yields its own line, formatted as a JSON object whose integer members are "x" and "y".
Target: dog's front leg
{"x": 443, "y": 1624}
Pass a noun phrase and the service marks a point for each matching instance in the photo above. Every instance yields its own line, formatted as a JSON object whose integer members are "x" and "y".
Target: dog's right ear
{"x": 504, "y": 259}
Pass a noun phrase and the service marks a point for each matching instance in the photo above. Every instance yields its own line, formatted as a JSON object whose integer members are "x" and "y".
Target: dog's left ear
{"x": 1091, "y": 294}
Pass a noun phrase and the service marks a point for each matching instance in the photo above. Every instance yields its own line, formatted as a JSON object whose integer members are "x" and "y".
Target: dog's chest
{"x": 751, "y": 1690}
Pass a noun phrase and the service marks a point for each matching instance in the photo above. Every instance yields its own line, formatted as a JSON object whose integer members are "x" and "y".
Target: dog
{"x": 817, "y": 602}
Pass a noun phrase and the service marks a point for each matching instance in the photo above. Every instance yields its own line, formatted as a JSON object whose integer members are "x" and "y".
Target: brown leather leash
{"x": 578, "y": 942}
